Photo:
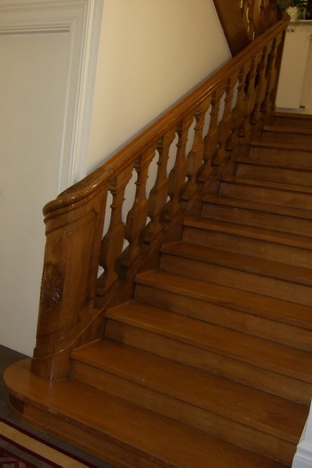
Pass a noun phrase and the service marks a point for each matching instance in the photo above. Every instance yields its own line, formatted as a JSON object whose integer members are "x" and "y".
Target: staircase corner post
{"x": 73, "y": 241}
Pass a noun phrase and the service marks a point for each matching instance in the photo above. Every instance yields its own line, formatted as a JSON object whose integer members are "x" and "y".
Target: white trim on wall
{"x": 81, "y": 19}
{"x": 303, "y": 456}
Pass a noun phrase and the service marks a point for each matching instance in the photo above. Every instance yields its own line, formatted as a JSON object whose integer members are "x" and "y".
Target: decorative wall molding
{"x": 81, "y": 19}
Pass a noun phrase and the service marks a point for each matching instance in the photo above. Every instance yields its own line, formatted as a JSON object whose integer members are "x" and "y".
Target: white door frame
{"x": 82, "y": 20}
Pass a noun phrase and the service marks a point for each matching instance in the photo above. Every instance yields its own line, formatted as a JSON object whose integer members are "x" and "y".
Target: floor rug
{"x": 21, "y": 449}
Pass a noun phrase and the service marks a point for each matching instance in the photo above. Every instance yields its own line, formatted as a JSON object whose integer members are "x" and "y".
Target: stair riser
{"x": 274, "y": 174}
{"x": 259, "y": 219}
{"x": 247, "y": 281}
{"x": 248, "y": 246}
{"x": 87, "y": 439}
{"x": 285, "y": 137}
{"x": 209, "y": 421}
{"x": 241, "y": 320}
{"x": 284, "y": 157}
{"x": 222, "y": 366}
{"x": 267, "y": 195}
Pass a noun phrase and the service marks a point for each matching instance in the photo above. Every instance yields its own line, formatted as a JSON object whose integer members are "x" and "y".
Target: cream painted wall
{"x": 151, "y": 53}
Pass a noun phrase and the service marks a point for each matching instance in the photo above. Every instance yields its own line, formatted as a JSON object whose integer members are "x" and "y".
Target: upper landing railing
{"x": 106, "y": 228}
{"x": 244, "y": 20}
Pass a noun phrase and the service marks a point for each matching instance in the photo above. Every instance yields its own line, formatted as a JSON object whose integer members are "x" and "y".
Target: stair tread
{"x": 267, "y": 184}
{"x": 289, "y": 119}
{"x": 259, "y": 233}
{"x": 156, "y": 438}
{"x": 239, "y": 261}
{"x": 302, "y": 146}
{"x": 283, "y": 129}
{"x": 238, "y": 345}
{"x": 299, "y": 213}
{"x": 292, "y": 115}
{"x": 225, "y": 296}
{"x": 254, "y": 408}
{"x": 273, "y": 164}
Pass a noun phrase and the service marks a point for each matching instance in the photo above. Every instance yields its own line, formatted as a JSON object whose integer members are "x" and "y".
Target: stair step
{"x": 297, "y": 156}
{"x": 258, "y": 242}
{"x": 214, "y": 349}
{"x": 254, "y": 412}
{"x": 239, "y": 271}
{"x": 250, "y": 170}
{"x": 90, "y": 419}
{"x": 240, "y": 262}
{"x": 287, "y": 134}
{"x": 252, "y": 213}
{"x": 267, "y": 192}
{"x": 244, "y": 347}
{"x": 276, "y": 319}
{"x": 290, "y": 120}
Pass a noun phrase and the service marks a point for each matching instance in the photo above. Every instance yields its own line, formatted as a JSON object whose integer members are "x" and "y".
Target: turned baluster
{"x": 249, "y": 14}
{"x": 261, "y": 87}
{"x": 249, "y": 99}
{"x": 177, "y": 174}
{"x": 269, "y": 14}
{"x": 276, "y": 67}
{"x": 137, "y": 216}
{"x": 238, "y": 109}
{"x": 113, "y": 241}
{"x": 211, "y": 140}
{"x": 195, "y": 155}
{"x": 225, "y": 124}
{"x": 272, "y": 73}
{"x": 253, "y": 19}
{"x": 159, "y": 194}
{"x": 254, "y": 88}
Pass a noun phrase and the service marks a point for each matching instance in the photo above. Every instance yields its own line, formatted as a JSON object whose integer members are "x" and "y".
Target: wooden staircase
{"x": 210, "y": 365}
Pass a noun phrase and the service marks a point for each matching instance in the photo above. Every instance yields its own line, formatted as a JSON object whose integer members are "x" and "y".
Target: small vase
{"x": 293, "y": 12}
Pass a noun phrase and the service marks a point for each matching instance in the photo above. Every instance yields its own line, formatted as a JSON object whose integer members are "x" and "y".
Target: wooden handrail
{"x": 93, "y": 251}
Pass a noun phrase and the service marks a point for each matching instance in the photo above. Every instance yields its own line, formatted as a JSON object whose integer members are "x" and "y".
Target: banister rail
{"x": 106, "y": 228}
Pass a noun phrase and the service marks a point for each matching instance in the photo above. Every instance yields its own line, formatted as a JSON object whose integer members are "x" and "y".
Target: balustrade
{"x": 190, "y": 144}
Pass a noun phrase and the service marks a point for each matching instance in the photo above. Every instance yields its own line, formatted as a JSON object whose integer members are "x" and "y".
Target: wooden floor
{"x": 210, "y": 365}
{"x": 7, "y": 358}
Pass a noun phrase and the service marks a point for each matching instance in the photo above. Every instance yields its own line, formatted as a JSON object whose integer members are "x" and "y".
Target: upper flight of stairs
{"x": 210, "y": 365}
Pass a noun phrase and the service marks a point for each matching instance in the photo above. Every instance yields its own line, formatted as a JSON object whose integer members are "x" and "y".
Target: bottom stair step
{"x": 254, "y": 419}
{"x": 117, "y": 431}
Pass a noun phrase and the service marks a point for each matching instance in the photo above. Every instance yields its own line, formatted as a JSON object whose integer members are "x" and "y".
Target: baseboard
{"x": 303, "y": 457}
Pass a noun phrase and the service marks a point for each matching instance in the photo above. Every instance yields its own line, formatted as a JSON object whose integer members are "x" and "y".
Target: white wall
{"x": 32, "y": 96}
{"x": 152, "y": 52}
{"x": 296, "y": 68}
{"x": 43, "y": 47}
{"x": 303, "y": 456}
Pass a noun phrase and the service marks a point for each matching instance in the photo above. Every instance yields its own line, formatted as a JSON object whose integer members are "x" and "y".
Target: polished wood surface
{"x": 175, "y": 321}
{"x": 116, "y": 219}
{"x": 215, "y": 345}
{"x": 83, "y": 415}
{"x": 243, "y": 20}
